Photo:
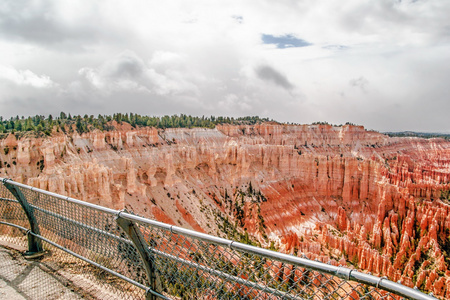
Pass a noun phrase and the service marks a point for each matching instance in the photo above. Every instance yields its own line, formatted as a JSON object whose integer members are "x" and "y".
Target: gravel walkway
{"x": 28, "y": 279}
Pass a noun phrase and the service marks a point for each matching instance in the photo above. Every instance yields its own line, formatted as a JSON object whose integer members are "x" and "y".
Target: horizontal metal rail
{"x": 112, "y": 272}
{"x": 9, "y": 200}
{"x": 226, "y": 276}
{"x": 79, "y": 256}
{"x": 15, "y": 226}
{"x": 338, "y": 271}
{"x": 99, "y": 266}
{"x": 58, "y": 196}
{"x": 341, "y": 272}
{"x": 79, "y": 224}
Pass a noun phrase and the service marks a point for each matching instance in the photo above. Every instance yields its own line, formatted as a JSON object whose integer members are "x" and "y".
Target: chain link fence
{"x": 104, "y": 254}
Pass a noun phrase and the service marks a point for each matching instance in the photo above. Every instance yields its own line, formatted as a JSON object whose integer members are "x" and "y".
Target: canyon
{"x": 338, "y": 194}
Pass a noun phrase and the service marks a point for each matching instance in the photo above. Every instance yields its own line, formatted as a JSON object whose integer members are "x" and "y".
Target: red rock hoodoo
{"x": 339, "y": 194}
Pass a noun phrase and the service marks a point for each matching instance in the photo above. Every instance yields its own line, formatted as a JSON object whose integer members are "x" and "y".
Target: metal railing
{"x": 131, "y": 257}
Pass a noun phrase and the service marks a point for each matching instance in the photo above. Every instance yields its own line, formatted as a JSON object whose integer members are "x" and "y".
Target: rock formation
{"x": 338, "y": 194}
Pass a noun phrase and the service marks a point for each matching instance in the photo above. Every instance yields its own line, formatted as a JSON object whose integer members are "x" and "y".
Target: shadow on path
{"x": 28, "y": 279}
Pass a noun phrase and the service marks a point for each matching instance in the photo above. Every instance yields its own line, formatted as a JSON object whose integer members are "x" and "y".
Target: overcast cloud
{"x": 270, "y": 74}
{"x": 382, "y": 64}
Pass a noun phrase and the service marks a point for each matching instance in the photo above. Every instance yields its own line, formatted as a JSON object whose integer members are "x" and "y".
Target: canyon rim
{"x": 339, "y": 194}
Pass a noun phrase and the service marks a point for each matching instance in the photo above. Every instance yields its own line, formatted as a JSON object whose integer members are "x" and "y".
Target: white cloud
{"x": 25, "y": 78}
{"x": 232, "y": 102}
{"x": 378, "y": 63}
{"x": 359, "y": 82}
{"x": 128, "y": 72}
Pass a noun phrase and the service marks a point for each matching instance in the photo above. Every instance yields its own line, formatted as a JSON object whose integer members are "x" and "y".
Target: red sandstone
{"x": 339, "y": 194}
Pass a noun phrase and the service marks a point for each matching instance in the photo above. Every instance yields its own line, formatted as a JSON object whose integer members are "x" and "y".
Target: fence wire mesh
{"x": 179, "y": 266}
{"x": 12, "y": 212}
{"x": 87, "y": 232}
{"x": 189, "y": 268}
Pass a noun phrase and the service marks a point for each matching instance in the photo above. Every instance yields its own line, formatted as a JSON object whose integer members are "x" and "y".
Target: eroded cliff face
{"x": 338, "y": 194}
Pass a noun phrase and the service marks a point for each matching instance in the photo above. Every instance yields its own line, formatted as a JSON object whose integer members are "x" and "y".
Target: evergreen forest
{"x": 41, "y": 125}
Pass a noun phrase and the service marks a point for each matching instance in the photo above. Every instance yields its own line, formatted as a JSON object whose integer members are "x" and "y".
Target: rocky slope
{"x": 339, "y": 194}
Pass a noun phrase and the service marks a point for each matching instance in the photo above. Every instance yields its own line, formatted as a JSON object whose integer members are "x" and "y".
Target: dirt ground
{"x": 28, "y": 279}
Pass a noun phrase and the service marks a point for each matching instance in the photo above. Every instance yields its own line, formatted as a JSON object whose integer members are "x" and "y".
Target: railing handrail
{"x": 73, "y": 200}
{"x": 339, "y": 271}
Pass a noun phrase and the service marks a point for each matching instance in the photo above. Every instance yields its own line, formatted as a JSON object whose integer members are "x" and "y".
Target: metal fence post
{"x": 34, "y": 244}
{"x": 134, "y": 234}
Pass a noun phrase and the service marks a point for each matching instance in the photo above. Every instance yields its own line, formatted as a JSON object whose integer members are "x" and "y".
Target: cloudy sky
{"x": 384, "y": 64}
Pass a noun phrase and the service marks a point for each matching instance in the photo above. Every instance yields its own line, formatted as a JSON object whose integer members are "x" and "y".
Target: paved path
{"x": 24, "y": 279}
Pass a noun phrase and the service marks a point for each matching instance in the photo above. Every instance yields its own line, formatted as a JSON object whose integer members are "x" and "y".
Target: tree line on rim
{"x": 65, "y": 122}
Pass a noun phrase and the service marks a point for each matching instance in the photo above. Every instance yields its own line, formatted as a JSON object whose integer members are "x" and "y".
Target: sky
{"x": 384, "y": 64}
